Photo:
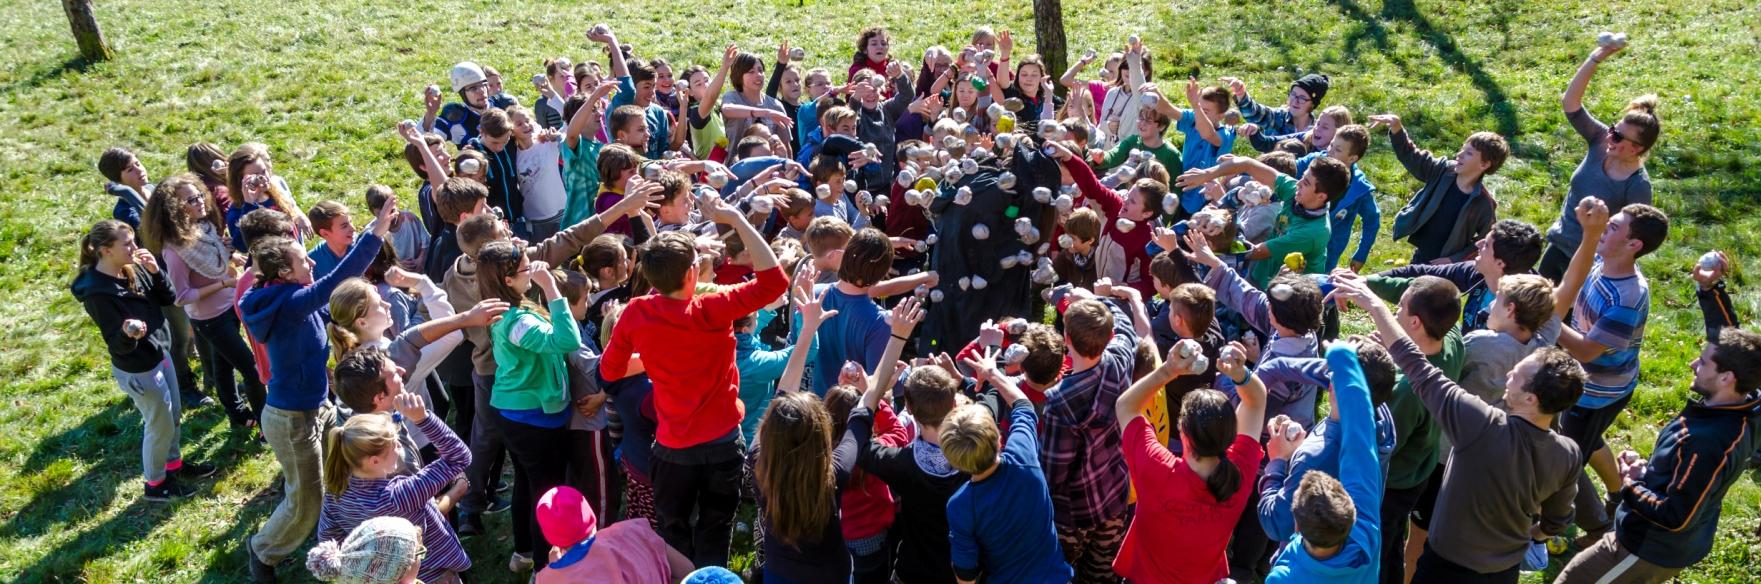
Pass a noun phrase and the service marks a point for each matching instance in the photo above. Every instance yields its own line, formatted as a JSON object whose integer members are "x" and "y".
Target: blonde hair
{"x": 970, "y": 439}
{"x": 348, "y": 446}
{"x": 1530, "y": 298}
{"x": 1339, "y": 114}
{"x": 351, "y": 301}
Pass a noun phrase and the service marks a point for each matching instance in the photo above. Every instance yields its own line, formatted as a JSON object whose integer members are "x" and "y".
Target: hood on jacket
{"x": 92, "y": 282}
{"x": 261, "y": 307}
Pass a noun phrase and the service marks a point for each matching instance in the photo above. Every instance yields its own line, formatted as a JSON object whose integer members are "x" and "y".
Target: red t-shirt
{"x": 867, "y": 504}
{"x": 687, "y": 347}
{"x": 1180, "y": 530}
{"x": 258, "y": 354}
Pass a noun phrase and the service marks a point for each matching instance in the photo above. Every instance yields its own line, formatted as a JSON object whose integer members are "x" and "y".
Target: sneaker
{"x": 167, "y": 490}
{"x": 468, "y": 525}
{"x": 497, "y": 505}
{"x": 261, "y": 573}
{"x": 193, "y": 400}
{"x": 502, "y": 485}
{"x": 196, "y": 470}
{"x": 520, "y": 563}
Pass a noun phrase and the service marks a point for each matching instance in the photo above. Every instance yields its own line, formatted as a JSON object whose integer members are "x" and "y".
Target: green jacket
{"x": 1293, "y": 234}
{"x": 531, "y": 355}
{"x": 1417, "y": 438}
{"x": 1165, "y": 154}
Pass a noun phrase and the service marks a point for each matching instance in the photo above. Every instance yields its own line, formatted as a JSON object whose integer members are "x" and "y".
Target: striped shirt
{"x": 409, "y": 497}
{"x": 1612, "y": 313}
{"x": 1080, "y": 444}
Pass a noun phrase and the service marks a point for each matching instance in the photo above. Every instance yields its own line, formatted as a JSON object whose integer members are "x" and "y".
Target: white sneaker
{"x": 520, "y": 563}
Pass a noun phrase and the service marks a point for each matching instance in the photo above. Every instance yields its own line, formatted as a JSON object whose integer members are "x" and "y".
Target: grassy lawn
{"x": 324, "y": 82}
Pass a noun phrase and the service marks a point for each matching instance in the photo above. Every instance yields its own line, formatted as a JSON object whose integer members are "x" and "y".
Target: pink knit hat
{"x": 565, "y": 517}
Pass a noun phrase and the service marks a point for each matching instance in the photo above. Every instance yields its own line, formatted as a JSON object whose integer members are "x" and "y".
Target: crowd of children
{"x": 654, "y": 302}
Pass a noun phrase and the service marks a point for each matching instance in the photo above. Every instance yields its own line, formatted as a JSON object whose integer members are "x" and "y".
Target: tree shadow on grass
{"x": 75, "y": 64}
{"x": 1497, "y": 100}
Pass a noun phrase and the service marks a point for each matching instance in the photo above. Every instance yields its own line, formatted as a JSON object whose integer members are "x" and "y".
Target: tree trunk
{"x": 85, "y": 30}
{"x": 1048, "y": 29}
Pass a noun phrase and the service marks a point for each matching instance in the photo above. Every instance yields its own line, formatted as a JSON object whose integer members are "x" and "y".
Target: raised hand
{"x": 905, "y": 316}
{"x": 411, "y": 406}
{"x": 1390, "y": 120}
{"x": 1233, "y": 362}
{"x": 1708, "y": 273}
{"x": 1200, "y": 250}
{"x": 989, "y": 334}
{"x": 813, "y": 313}
{"x": 486, "y": 312}
{"x": 402, "y": 278}
{"x": 144, "y": 259}
{"x": 1236, "y": 86}
{"x": 1592, "y": 213}
{"x": 1285, "y": 436}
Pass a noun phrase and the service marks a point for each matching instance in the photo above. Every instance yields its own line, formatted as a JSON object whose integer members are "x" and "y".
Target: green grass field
{"x": 324, "y": 82}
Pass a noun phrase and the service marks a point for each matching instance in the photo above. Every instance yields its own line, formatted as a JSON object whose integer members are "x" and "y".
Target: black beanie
{"x": 1315, "y": 84}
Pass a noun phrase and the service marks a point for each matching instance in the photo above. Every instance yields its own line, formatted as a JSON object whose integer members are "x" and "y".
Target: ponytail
{"x": 104, "y": 234}
{"x": 1224, "y": 481}
{"x": 351, "y": 301}
{"x": 347, "y": 446}
{"x": 1207, "y": 421}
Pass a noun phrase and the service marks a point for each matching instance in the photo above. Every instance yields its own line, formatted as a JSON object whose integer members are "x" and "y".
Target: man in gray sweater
{"x": 1508, "y": 467}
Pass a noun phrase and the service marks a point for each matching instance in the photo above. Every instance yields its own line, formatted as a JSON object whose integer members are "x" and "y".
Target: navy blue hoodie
{"x": 1669, "y": 516}
{"x": 289, "y": 320}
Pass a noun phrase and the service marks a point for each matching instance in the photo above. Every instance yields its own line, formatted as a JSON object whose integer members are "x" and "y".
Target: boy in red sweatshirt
{"x": 686, "y": 344}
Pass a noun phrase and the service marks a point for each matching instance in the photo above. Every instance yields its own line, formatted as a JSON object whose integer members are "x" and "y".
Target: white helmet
{"x": 466, "y": 74}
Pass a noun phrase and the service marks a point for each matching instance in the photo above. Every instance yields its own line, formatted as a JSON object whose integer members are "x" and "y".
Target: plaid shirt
{"x": 1080, "y": 446}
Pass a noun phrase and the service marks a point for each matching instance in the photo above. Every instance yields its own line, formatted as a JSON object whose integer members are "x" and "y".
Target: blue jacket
{"x": 289, "y": 320}
{"x": 1359, "y": 201}
{"x": 1359, "y": 560}
{"x": 1318, "y": 452}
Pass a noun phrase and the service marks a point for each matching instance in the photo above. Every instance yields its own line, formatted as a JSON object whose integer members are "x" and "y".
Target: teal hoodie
{"x": 531, "y": 356}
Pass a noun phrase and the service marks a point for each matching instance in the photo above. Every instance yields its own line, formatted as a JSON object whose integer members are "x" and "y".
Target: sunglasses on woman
{"x": 1616, "y": 137}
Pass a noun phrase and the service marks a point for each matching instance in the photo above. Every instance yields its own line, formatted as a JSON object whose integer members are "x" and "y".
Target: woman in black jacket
{"x": 121, "y": 288}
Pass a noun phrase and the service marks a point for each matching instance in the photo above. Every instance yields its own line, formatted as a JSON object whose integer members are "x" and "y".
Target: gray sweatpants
{"x": 155, "y": 394}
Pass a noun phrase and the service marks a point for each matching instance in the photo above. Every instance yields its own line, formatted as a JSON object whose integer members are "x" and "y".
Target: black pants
{"x": 1434, "y": 569}
{"x": 1397, "y": 506}
{"x": 540, "y": 464}
{"x": 1553, "y": 262}
{"x": 486, "y": 448}
{"x": 223, "y": 353}
{"x": 1585, "y": 426}
{"x": 711, "y": 492}
{"x": 1249, "y": 549}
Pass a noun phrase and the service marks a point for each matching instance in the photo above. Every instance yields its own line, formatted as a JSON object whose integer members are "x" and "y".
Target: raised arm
{"x": 1069, "y": 80}
{"x": 436, "y": 171}
{"x": 1573, "y": 100}
{"x": 615, "y": 55}
{"x": 1421, "y": 164}
{"x": 587, "y": 120}
{"x": 1233, "y": 165}
{"x": 706, "y": 106}
{"x": 1207, "y": 127}
{"x": 1592, "y": 214}
{"x": 1250, "y": 414}
{"x": 1136, "y": 398}
{"x": 813, "y": 313}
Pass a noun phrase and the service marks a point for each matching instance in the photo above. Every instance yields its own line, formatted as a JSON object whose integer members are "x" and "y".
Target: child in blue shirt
{"x": 1000, "y": 523}
{"x": 1206, "y": 136}
{"x": 1338, "y": 521}
{"x": 336, "y": 234}
{"x": 1348, "y": 146}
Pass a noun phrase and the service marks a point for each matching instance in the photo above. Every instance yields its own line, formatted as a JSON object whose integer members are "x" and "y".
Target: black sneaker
{"x": 502, "y": 485}
{"x": 468, "y": 525}
{"x": 195, "y": 399}
{"x": 167, "y": 490}
{"x": 497, "y": 505}
{"x": 261, "y": 573}
{"x": 196, "y": 470}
